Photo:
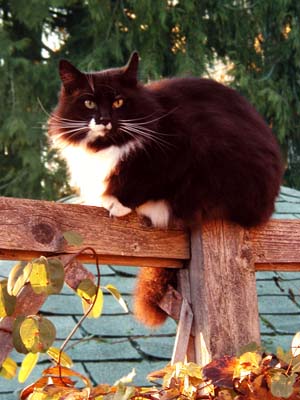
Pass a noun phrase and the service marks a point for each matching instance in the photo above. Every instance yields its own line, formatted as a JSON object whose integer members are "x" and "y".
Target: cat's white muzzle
{"x": 97, "y": 130}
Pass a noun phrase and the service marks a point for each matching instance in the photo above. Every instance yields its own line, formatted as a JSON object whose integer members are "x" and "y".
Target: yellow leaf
{"x": 17, "y": 278}
{"x": 39, "y": 277}
{"x": 96, "y": 311}
{"x": 28, "y": 363}
{"x": 64, "y": 359}
{"x": 114, "y": 291}
{"x": 37, "y": 334}
{"x": 8, "y": 369}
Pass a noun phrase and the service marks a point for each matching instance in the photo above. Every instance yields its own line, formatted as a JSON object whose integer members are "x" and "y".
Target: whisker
{"x": 148, "y": 134}
{"x": 67, "y": 125}
{"x": 42, "y": 107}
{"x": 137, "y": 119}
{"x": 162, "y": 144}
{"x": 59, "y": 118}
{"x": 137, "y": 125}
{"x": 162, "y": 116}
{"x": 73, "y": 131}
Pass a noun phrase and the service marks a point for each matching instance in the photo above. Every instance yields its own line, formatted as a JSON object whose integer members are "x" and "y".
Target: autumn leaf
{"x": 28, "y": 363}
{"x": 8, "y": 368}
{"x": 221, "y": 371}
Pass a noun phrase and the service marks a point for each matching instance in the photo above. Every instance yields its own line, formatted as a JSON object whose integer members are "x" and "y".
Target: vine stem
{"x": 62, "y": 347}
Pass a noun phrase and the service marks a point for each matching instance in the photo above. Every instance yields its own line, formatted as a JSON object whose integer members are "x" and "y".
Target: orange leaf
{"x": 42, "y": 382}
{"x": 63, "y": 371}
{"x": 221, "y": 371}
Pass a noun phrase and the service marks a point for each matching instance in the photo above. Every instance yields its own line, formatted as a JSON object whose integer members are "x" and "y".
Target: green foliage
{"x": 258, "y": 40}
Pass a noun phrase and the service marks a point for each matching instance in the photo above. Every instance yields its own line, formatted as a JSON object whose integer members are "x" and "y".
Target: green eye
{"x": 90, "y": 104}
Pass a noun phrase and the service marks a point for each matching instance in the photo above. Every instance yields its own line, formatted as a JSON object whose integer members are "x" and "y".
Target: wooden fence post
{"x": 223, "y": 290}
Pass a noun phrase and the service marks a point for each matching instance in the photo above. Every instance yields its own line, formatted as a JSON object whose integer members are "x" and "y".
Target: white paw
{"x": 115, "y": 208}
{"x": 157, "y": 211}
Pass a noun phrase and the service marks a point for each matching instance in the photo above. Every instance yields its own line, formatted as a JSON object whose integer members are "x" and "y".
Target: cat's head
{"x": 100, "y": 109}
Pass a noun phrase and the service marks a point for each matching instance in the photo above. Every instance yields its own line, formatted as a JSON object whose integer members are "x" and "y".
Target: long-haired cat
{"x": 180, "y": 148}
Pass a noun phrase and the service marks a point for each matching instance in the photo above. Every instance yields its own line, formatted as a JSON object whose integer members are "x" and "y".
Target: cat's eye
{"x": 90, "y": 104}
{"x": 118, "y": 102}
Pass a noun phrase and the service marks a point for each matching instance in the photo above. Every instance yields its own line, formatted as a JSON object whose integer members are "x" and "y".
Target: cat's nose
{"x": 104, "y": 121}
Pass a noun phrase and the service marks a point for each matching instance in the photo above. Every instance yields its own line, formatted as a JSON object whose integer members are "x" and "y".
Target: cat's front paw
{"x": 157, "y": 211}
{"x": 115, "y": 208}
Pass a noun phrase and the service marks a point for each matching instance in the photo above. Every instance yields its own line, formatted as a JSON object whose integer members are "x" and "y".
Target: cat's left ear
{"x": 131, "y": 69}
{"x": 70, "y": 76}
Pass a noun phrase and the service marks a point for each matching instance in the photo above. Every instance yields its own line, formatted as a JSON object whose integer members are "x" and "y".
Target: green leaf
{"x": 17, "y": 341}
{"x": 73, "y": 238}
{"x": 17, "y": 278}
{"x": 7, "y": 302}
{"x": 56, "y": 275}
{"x": 57, "y": 356}
{"x": 116, "y": 294}
{"x": 28, "y": 363}
{"x": 8, "y": 368}
{"x": 286, "y": 357}
{"x": 86, "y": 289}
{"x": 37, "y": 334}
{"x": 282, "y": 385}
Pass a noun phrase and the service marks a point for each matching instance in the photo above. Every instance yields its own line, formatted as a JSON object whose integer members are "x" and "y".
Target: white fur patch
{"x": 90, "y": 171}
{"x": 97, "y": 130}
{"x": 116, "y": 209}
{"x": 157, "y": 211}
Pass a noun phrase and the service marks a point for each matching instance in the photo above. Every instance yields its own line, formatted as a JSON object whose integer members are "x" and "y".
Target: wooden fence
{"x": 217, "y": 303}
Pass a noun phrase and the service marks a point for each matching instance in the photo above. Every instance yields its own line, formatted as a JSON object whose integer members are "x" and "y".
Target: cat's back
{"x": 205, "y": 98}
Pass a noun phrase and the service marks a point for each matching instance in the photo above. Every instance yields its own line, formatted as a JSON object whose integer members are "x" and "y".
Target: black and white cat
{"x": 180, "y": 148}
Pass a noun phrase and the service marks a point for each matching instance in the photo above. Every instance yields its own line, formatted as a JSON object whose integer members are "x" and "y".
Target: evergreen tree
{"x": 258, "y": 41}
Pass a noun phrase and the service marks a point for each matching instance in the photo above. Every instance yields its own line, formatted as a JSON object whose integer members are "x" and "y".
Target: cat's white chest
{"x": 90, "y": 172}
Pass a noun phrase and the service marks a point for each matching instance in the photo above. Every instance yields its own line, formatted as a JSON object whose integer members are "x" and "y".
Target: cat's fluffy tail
{"x": 152, "y": 284}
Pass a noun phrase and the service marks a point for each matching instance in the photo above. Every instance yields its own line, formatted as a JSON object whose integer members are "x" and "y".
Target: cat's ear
{"x": 69, "y": 75}
{"x": 131, "y": 69}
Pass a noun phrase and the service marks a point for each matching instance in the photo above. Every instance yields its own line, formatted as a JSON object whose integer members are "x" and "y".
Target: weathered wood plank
{"x": 276, "y": 245}
{"x": 223, "y": 290}
{"x": 31, "y": 227}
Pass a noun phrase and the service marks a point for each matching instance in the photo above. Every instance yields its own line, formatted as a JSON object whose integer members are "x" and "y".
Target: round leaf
{"x": 283, "y": 385}
{"x": 17, "y": 341}
{"x": 56, "y": 276}
{"x": 7, "y": 302}
{"x": 39, "y": 277}
{"x": 73, "y": 238}
{"x": 37, "y": 334}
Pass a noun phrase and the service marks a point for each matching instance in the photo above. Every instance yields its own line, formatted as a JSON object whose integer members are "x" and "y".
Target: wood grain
{"x": 30, "y": 227}
{"x": 276, "y": 245}
{"x": 223, "y": 290}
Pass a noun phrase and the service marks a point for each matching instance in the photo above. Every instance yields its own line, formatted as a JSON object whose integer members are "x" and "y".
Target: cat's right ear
{"x": 69, "y": 75}
{"x": 130, "y": 71}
